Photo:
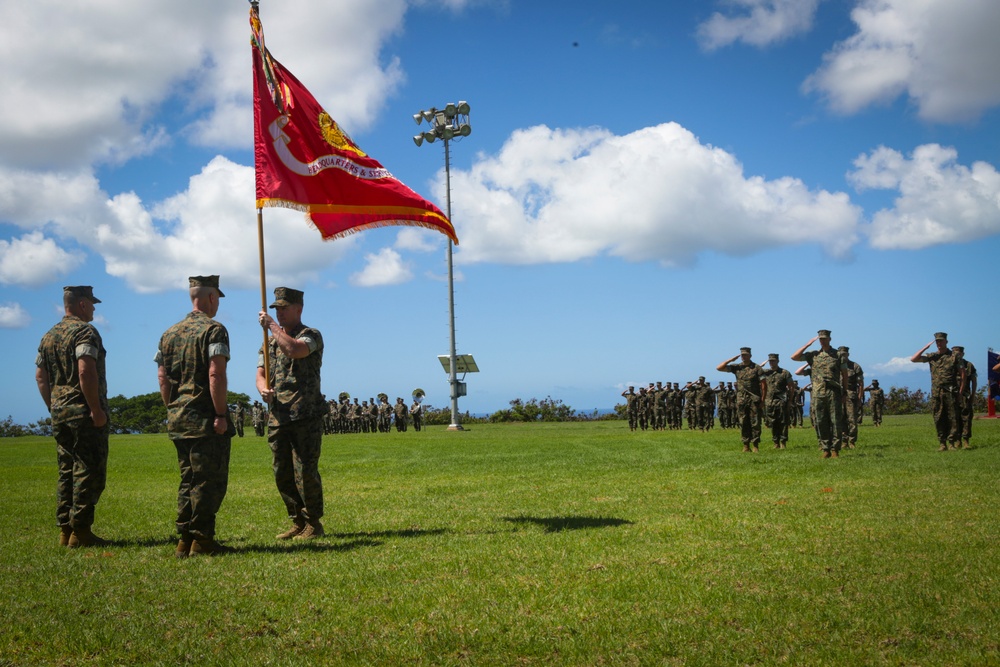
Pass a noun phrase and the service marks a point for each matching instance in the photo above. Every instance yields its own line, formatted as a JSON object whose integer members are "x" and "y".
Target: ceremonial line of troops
{"x": 770, "y": 394}
{"x": 347, "y": 417}
{"x": 191, "y": 361}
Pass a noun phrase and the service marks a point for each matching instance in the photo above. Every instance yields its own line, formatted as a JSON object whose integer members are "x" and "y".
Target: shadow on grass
{"x": 556, "y": 524}
{"x": 312, "y": 546}
{"x": 385, "y": 534}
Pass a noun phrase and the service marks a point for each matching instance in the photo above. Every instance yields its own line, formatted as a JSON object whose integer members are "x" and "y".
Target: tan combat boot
{"x": 297, "y": 527}
{"x": 311, "y": 530}
{"x": 64, "y": 534}
{"x": 202, "y": 546}
{"x": 84, "y": 537}
{"x": 184, "y": 546}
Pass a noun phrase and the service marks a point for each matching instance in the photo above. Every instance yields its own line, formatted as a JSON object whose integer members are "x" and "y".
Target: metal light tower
{"x": 446, "y": 124}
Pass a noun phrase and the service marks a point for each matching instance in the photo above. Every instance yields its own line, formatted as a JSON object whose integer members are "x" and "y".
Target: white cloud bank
{"x": 13, "y": 316}
{"x": 898, "y": 365}
{"x": 34, "y": 260}
{"x": 209, "y": 228}
{"x": 941, "y": 53}
{"x": 758, "y": 22}
{"x": 655, "y": 194}
{"x": 940, "y": 201}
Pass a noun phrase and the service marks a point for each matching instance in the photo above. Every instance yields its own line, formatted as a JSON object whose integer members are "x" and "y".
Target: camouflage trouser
{"x": 633, "y": 418}
{"x": 295, "y": 452}
{"x": 945, "y": 407}
{"x": 852, "y": 416}
{"x": 876, "y": 409}
{"x": 827, "y": 411}
{"x": 748, "y": 417}
{"x": 777, "y": 415}
{"x": 204, "y": 465}
{"x": 965, "y": 416}
{"x": 82, "y": 453}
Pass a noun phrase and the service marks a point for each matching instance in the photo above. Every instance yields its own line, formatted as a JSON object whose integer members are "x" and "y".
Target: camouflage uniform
{"x": 295, "y": 428}
{"x": 876, "y": 402}
{"x": 778, "y": 385}
{"x": 384, "y": 414}
{"x": 631, "y": 408}
{"x": 401, "y": 415}
{"x": 852, "y": 404}
{"x": 965, "y": 410}
{"x": 81, "y": 447}
{"x": 945, "y": 375}
{"x": 825, "y": 405}
{"x": 748, "y": 400}
{"x": 184, "y": 353}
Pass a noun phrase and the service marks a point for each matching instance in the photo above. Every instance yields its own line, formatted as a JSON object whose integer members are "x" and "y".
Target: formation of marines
{"x": 769, "y": 396}
{"x": 347, "y": 415}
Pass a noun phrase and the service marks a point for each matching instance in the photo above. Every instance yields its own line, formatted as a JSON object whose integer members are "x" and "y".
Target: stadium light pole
{"x": 447, "y": 124}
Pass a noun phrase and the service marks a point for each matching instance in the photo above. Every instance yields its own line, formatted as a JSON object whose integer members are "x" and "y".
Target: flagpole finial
{"x": 255, "y": 4}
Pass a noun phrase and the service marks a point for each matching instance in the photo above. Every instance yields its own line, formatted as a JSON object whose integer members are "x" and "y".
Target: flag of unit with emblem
{"x": 305, "y": 161}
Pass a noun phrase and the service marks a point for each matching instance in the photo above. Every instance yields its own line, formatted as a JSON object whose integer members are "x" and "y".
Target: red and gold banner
{"x": 305, "y": 161}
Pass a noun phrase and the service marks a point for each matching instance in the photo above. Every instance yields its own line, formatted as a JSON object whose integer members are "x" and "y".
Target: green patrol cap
{"x": 205, "y": 281}
{"x": 823, "y": 333}
{"x": 81, "y": 292}
{"x": 843, "y": 348}
{"x": 958, "y": 348}
{"x": 940, "y": 335}
{"x": 744, "y": 350}
{"x": 286, "y": 296}
{"x": 772, "y": 356}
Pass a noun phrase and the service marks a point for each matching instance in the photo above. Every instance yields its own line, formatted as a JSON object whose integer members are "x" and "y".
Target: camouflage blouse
{"x": 296, "y": 382}
{"x": 945, "y": 369}
{"x": 826, "y": 374}
{"x": 58, "y": 355}
{"x": 748, "y": 379}
{"x": 185, "y": 352}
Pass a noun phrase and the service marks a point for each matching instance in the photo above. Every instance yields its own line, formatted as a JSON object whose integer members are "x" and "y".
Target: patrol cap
{"x": 701, "y": 378}
{"x": 286, "y": 296}
{"x": 823, "y": 333}
{"x": 772, "y": 356}
{"x": 81, "y": 292}
{"x": 940, "y": 335}
{"x": 744, "y": 350}
{"x": 875, "y": 382}
{"x": 958, "y": 348}
{"x": 205, "y": 281}
{"x": 843, "y": 348}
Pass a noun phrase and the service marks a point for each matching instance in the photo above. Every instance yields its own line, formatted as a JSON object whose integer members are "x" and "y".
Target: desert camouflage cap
{"x": 205, "y": 281}
{"x": 823, "y": 333}
{"x": 940, "y": 335}
{"x": 286, "y": 296}
{"x": 81, "y": 292}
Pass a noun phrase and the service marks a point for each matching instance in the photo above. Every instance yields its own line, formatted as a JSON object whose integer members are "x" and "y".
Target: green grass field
{"x": 575, "y": 543}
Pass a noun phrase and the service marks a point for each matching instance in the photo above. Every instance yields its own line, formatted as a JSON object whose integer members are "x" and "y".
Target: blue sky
{"x": 648, "y": 185}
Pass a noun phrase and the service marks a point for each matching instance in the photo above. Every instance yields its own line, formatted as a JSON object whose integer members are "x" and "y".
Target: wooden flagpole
{"x": 263, "y": 294}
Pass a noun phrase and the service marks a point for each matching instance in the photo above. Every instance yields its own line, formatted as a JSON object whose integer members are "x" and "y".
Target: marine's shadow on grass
{"x": 557, "y": 524}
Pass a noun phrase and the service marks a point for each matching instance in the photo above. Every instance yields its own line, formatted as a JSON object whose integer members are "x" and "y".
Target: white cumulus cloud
{"x": 898, "y": 365}
{"x": 386, "y": 267}
{"x": 34, "y": 260}
{"x": 209, "y": 228}
{"x": 13, "y": 316}
{"x": 941, "y": 53}
{"x": 655, "y": 194}
{"x": 940, "y": 200}
{"x": 757, "y": 22}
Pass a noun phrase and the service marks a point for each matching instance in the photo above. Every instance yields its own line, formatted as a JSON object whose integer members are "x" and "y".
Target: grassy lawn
{"x": 572, "y": 543}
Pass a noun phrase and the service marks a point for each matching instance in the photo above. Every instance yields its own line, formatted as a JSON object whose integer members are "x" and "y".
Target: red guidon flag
{"x": 307, "y": 162}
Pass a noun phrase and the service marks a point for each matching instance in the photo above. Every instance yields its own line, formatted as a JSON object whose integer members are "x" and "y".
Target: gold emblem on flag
{"x": 334, "y": 136}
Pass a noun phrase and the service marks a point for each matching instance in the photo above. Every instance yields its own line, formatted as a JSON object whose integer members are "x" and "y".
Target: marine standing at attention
{"x": 69, "y": 372}
{"x": 297, "y": 408}
{"x": 191, "y": 370}
{"x": 777, "y": 390}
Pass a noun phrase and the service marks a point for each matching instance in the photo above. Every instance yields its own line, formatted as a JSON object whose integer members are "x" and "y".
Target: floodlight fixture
{"x": 417, "y": 117}
{"x": 418, "y": 139}
{"x": 463, "y": 108}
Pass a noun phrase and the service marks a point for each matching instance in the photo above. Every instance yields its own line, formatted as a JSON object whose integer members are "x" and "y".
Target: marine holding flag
{"x": 305, "y": 161}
